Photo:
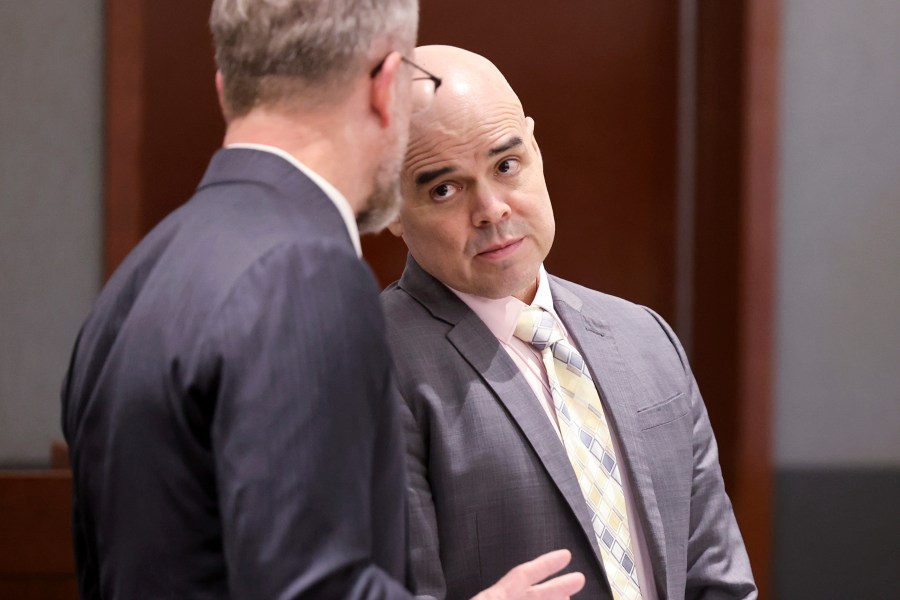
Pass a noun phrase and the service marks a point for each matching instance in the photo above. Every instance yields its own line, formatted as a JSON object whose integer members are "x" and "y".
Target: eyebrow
{"x": 508, "y": 145}
{"x": 428, "y": 176}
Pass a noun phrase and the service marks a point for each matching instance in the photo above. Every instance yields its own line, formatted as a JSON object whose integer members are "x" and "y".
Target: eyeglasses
{"x": 424, "y": 87}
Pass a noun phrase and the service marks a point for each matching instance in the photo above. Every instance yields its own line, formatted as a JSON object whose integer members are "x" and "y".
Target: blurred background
{"x": 735, "y": 165}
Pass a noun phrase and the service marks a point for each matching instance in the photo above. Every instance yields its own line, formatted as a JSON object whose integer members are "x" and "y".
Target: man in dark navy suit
{"x": 228, "y": 403}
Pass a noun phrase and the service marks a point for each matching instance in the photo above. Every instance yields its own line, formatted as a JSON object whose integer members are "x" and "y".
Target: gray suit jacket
{"x": 490, "y": 483}
{"x": 229, "y": 405}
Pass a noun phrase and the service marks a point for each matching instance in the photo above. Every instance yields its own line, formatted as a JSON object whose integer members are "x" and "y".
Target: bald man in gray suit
{"x": 497, "y": 437}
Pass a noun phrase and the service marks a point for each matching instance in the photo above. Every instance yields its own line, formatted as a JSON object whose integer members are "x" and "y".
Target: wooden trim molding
{"x": 36, "y": 556}
{"x": 734, "y": 253}
{"x": 162, "y": 118}
{"x": 123, "y": 130}
{"x": 754, "y": 481}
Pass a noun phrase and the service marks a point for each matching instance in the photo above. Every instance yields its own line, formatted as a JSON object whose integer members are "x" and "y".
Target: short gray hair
{"x": 271, "y": 50}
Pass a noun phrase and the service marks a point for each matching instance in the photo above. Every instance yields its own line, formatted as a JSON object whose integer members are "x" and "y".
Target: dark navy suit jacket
{"x": 228, "y": 405}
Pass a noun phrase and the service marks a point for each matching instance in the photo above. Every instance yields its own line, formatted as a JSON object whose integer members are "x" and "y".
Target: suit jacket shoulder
{"x": 641, "y": 335}
{"x": 207, "y": 404}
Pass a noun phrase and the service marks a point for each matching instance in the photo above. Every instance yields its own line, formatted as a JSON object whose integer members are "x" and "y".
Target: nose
{"x": 491, "y": 207}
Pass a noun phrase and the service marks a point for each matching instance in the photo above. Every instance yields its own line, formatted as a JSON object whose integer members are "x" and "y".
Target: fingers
{"x": 523, "y": 581}
{"x": 557, "y": 588}
{"x": 539, "y": 569}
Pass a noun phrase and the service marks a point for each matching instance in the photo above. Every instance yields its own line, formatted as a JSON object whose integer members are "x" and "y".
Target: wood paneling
{"x": 718, "y": 201}
{"x": 735, "y": 252}
{"x": 599, "y": 78}
{"x": 162, "y": 115}
{"x": 36, "y": 556}
{"x": 124, "y": 130}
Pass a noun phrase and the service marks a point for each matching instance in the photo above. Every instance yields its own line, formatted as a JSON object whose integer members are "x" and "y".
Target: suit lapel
{"x": 481, "y": 349}
{"x": 615, "y": 382}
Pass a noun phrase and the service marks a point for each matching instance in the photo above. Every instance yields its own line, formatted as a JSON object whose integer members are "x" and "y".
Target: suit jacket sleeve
{"x": 717, "y": 564}
{"x": 303, "y": 432}
{"x": 425, "y": 560}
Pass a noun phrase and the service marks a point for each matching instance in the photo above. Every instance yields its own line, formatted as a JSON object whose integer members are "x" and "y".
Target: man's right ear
{"x": 383, "y": 89}
{"x": 396, "y": 227}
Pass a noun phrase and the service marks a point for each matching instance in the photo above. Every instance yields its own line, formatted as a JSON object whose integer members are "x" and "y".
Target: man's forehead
{"x": 439, "y": 141}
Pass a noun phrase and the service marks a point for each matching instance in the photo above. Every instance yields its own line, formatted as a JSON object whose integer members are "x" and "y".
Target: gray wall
{"x": 50, "y": 208}
{"x": 838, "y": 380}
{"x": 837, "y": 411}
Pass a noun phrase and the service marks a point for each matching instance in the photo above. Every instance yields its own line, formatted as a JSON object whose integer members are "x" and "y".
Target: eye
{"x": 443, "y": 191}
{"x": 509, "y": 166}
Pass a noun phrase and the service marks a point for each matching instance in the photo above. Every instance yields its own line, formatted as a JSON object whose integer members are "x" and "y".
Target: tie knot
{"x": 537, "y": 327}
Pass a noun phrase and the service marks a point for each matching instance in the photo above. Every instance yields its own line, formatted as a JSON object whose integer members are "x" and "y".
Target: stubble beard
{"x": 383, "y": 204}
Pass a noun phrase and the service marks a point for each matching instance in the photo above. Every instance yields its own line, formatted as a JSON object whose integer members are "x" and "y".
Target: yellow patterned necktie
{"x": 587, "y": 440}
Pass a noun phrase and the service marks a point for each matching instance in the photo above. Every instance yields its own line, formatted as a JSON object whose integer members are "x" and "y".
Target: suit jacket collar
{"x": 242, "y": 164}
{"x": 432, "y": 294}
{"x": 335, "y": 195}
{"x": 232, "y": 165}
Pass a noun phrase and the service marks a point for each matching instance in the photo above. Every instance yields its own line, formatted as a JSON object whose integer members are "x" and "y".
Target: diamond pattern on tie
{"x": 587, "y": 440}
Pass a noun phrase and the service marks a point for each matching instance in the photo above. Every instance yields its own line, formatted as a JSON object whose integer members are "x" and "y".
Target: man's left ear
{"x": 383, "y": 94}
{"x": 529, "y": 126}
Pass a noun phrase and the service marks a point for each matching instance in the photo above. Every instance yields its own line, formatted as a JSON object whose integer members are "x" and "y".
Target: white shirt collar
{"x": 502, "y": 314}
{"x": 337, "y": 198}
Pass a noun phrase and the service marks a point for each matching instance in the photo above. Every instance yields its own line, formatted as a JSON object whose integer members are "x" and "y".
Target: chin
{"x": 504, "y": 287}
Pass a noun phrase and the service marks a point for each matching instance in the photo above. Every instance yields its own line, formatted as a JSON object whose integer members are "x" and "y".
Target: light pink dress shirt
{"x": 501, "y": 317}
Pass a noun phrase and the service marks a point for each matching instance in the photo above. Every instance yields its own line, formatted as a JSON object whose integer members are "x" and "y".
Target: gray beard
{"x": 382, "y": 207}
{"x": 383, "y": 204}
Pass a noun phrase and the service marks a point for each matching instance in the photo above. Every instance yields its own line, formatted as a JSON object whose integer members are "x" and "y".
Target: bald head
{"x": 473, "y": 93}
{"x": 476, "y": 213}
{"x": 468, "y": 81}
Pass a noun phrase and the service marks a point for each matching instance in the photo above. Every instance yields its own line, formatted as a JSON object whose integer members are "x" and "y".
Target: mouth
{"x": 500, "y": 250}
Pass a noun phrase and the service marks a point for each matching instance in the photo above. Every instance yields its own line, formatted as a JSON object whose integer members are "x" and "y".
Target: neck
{"x": 527, "y": 295}
{"x": 322, "y": 140}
